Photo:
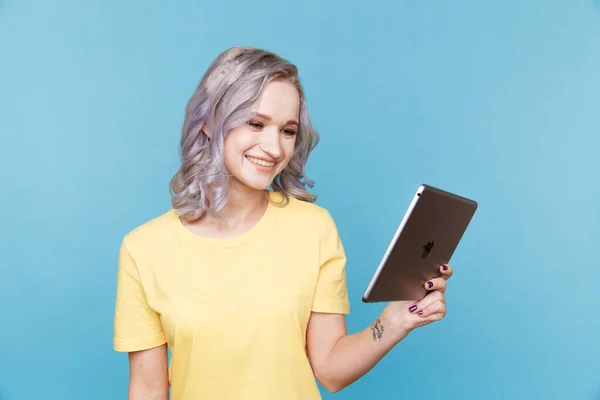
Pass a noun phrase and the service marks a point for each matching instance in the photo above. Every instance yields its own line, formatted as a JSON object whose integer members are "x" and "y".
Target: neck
{"x": 244, "y": 205}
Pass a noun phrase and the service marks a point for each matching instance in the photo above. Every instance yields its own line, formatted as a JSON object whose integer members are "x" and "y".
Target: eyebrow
{"x": 264, "y": 116}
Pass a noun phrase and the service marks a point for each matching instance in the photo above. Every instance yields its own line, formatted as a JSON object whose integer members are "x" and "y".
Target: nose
{"x": 270, "y": 143}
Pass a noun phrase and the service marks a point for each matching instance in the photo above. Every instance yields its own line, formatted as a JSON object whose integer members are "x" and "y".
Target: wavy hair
{"x": 222, "y": 101}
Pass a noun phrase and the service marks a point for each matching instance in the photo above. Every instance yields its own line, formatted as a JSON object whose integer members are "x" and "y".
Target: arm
{"x": 138, "y": 331}
{"x": 339, "y": 359}
{"x": 148, "y": 374}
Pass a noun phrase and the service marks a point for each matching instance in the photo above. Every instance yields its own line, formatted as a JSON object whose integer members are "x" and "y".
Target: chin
{"x": 257, "y": 183}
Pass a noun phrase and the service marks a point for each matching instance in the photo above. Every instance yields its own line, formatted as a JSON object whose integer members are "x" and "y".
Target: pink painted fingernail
{"x": 420, "y": 312}
{"x": 412, "y": 309}
{"x": 445, "y": 267}
{"x": 429, "y": 284}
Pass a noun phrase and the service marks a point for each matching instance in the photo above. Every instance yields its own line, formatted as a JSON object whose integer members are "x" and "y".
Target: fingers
{"x": 428, "y": 301}
{"x": 446, "y": 270}
{"x": 433, "y": 306}
{"x": 436, "y": 284}
{"x": 435, "y": 311}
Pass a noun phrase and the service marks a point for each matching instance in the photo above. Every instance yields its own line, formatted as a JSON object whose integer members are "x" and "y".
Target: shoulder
{"x": 152, "y": 234}
{"x": 303, "y": 213}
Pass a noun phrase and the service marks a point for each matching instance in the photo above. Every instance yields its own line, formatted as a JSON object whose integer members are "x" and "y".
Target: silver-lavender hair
{"x": 222, "y": 101}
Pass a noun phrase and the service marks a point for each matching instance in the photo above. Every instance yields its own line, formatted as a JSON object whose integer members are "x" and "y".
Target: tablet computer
{"x": 426, "y": 238}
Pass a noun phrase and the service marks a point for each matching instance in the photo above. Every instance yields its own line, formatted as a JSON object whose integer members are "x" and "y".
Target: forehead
{"x": 279, "y": 100}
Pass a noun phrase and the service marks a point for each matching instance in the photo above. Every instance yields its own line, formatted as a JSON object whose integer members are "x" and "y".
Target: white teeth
{"x": 260, "y": 162}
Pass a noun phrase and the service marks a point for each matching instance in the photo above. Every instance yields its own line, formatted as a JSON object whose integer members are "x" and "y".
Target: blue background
{"x": 498, "y": 101}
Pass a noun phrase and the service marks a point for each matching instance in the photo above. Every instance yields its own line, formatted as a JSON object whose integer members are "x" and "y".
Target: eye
{"x": 289, "y": 132}
{"x": 255, "y": 124}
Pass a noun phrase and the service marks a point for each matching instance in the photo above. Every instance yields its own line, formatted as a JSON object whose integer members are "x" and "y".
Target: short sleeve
{"x": 136, "y": 325}
{"x": 331, "y": 295}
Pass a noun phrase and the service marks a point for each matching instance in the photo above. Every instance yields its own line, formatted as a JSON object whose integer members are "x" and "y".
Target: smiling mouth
{"x": 258, "y": 161}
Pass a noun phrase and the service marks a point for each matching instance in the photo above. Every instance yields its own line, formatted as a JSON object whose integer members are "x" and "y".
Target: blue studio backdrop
{"x": 497, "y": 101}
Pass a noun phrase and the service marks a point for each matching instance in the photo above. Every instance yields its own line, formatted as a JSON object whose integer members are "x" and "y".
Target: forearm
{"x": 356, "y": 354}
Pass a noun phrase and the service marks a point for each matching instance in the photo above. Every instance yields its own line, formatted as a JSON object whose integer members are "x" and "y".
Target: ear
{"x": 206, "y": 131}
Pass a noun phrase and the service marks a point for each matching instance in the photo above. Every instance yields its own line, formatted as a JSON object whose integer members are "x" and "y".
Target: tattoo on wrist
{"x": 377, "y": 329}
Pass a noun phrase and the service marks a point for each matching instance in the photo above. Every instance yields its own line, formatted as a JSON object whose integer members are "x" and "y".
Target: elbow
{"x": 329, "y": 383}
{"x": 149, "y": 387}
{"x": 148, "y": 391}
{"x": 332, "y": 387}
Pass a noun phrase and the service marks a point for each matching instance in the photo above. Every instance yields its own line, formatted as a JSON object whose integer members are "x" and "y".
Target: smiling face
{"x": 255, "y": 153}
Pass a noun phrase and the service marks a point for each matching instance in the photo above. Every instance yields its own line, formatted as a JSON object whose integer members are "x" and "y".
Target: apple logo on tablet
{"x": 427, "y": 249}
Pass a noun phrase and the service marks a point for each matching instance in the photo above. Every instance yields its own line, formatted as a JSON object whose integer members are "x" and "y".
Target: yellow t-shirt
{"x": 234, "y": 312}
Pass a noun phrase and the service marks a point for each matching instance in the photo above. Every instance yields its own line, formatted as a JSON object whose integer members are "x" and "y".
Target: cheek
{"x": 228, "y": 160}
{"x": 288, "y": 147}
{"x": 233, "y": 148}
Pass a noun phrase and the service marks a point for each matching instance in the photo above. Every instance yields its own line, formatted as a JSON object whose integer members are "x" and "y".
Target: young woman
{"x": 244, "y": 278}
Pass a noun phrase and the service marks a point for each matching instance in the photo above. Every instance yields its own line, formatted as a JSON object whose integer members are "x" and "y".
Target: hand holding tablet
{"x": 413, "y": 272}
{"x": 425, "y": 240}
